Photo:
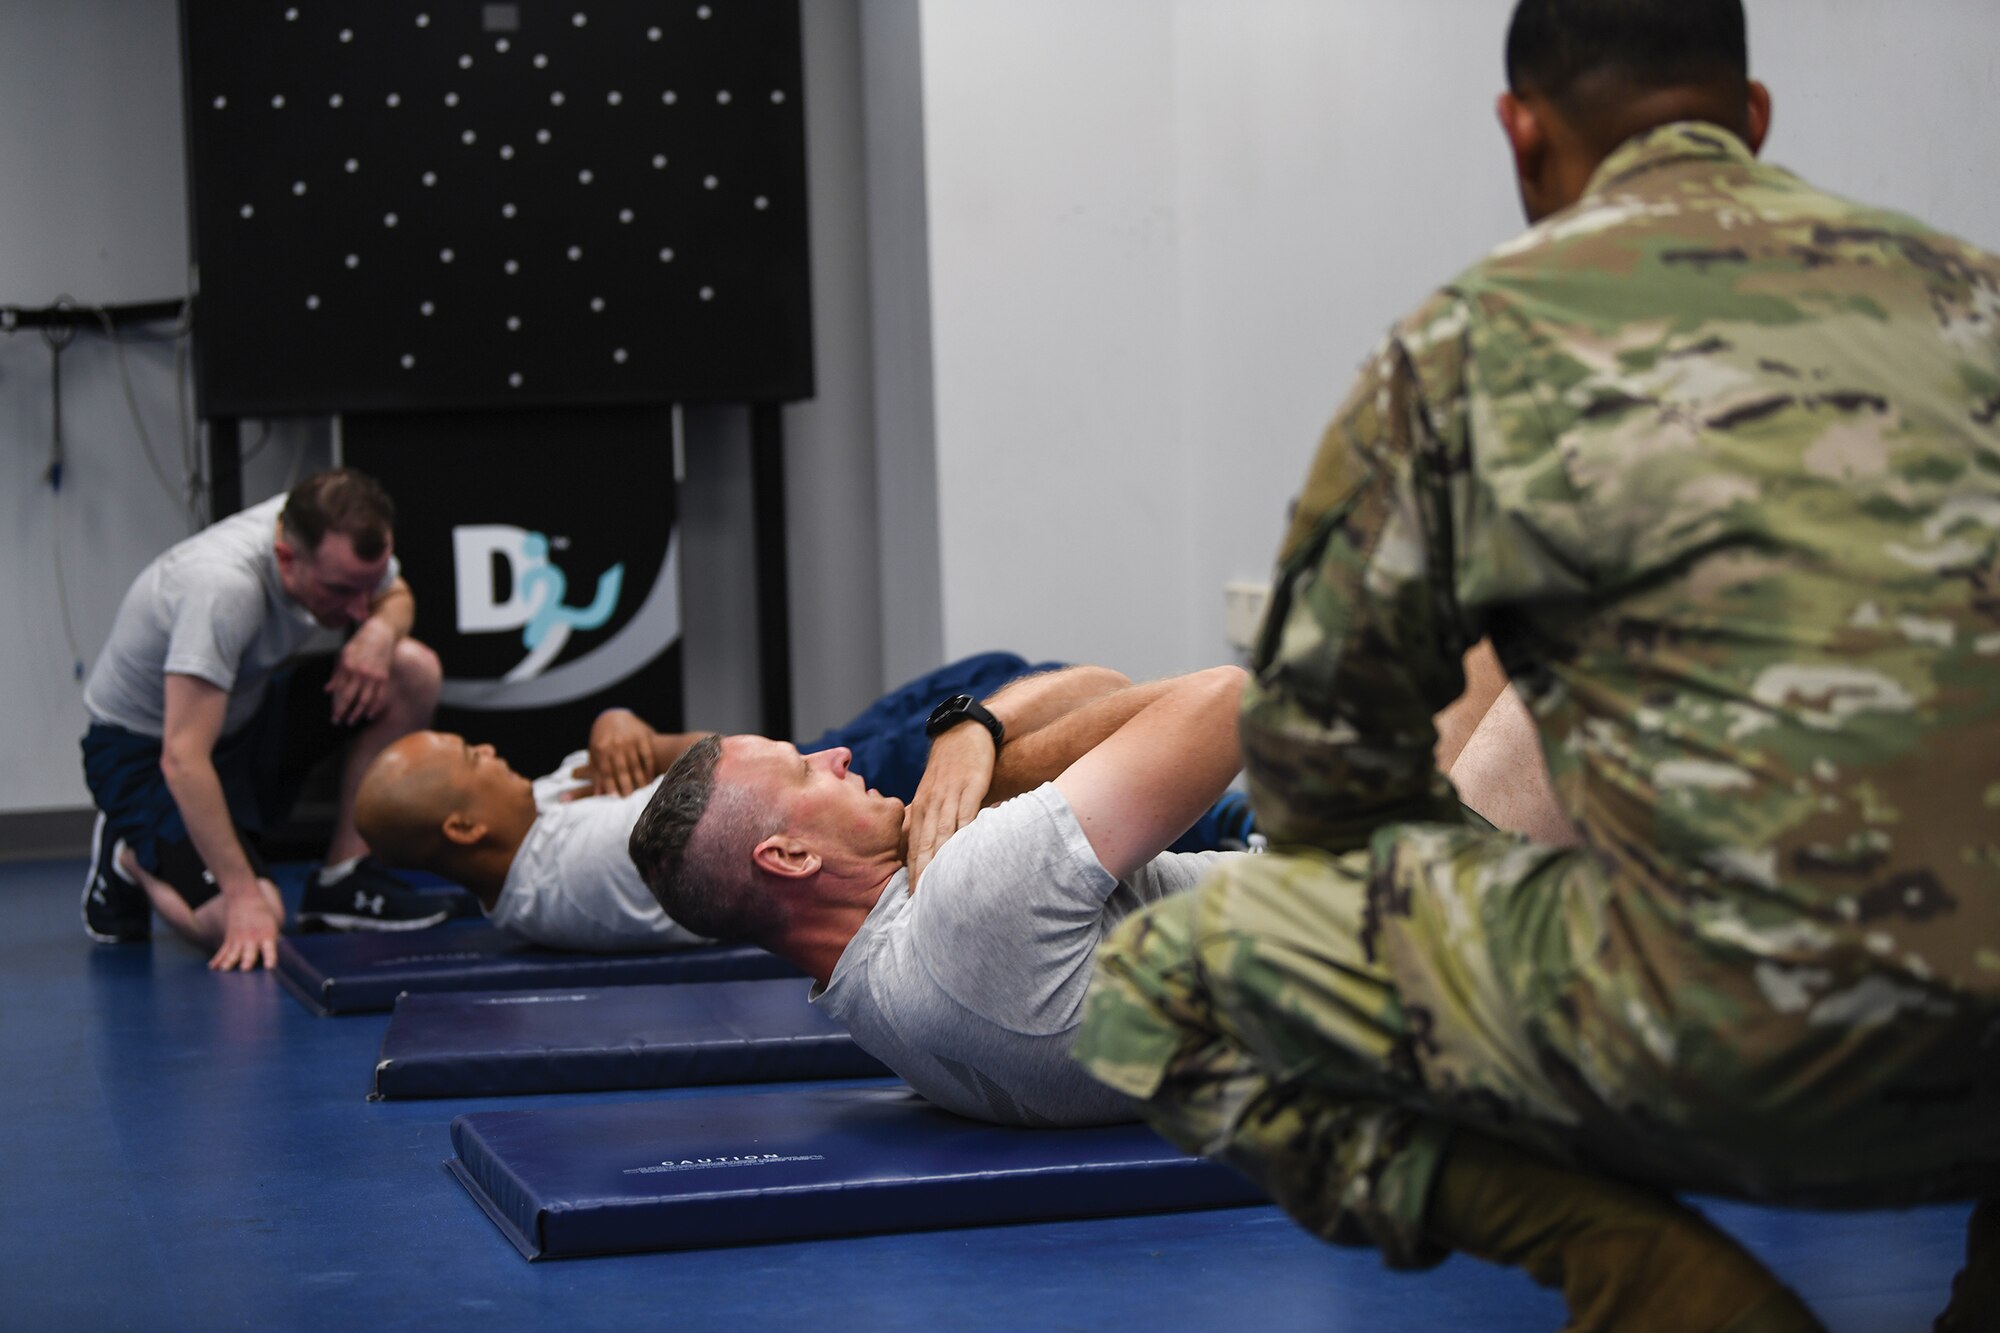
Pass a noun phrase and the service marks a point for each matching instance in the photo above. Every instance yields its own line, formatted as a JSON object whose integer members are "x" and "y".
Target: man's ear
{"x": 1758, "y": 120}
{"x": 1527, "y": 137}
{"x": 785, "y": 857}
{"x": 462, "y": 829}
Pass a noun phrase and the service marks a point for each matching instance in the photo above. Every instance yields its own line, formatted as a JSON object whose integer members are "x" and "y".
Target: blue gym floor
{"x": 192, "y": 1151}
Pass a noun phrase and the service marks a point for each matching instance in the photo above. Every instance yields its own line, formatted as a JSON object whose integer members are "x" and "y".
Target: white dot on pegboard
{"x": 352, "y": 165}
{"x": 708, "y": 293}
{"x": 597, "y": 305}
{"x": 335, "y": 101}
{"x": 291, "y": 16}
{"x": 393, "y": 99}
{"x": 430, "y": 178}
{"x": 446, "y": 255}
{"x": 511, "y": 267}
{"x": 777, "y": 94}
{"x": 408, "y": 361}
{"x": 709, "y": 182}
{"x": 585, "y": 177}
{"x": 388, "y": 219}
{"x": 618, "y": 354}
{"x": 353, "y": 261}
{"x": 666, "y": 254}
{"x": 423, "y": 20}
{"x": 575, "y": 252}
{"x": 513, "y": 323}
{"x": 465, "y": 62}
{"x": 220, "y": 101}
{"x": 514, "y": 380}
{"x": 723, "y": 97}
{"x": 760, "y": 203}
{"x": 278, "y": 102}
{"x": 670, "y": 97}
{"x": 541, "y": 136}
{"x": 508, "y": 210}
{"x": 427, "y": 309}
{"x": 541, "y": 61}
{"x": 556, "y": 98}
{"x": 312, "y": 303}
{"x": 298, "y": 187}
{"x": 506, "y": 152}
{"x": 653, "y": 34}
{"x": 468, "y": 137}
{"x": 659, "y": 161}
{"x": 247, "y": 211}
{"x": 614, "y": 97}
{"x": 502, "y": 45}
{"x": 625, "y": 215}
{"x": 579, "y": 18}
{"x": 703, "y": 12}
{"x": 347, "y": 34}
{"x": 451, "y": 99}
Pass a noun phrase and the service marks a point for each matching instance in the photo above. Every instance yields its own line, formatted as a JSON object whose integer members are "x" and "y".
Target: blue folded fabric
{"x": 694, "y": 1172}
{"x": 364, "y": 973}
{"x": 492, "y": 1043}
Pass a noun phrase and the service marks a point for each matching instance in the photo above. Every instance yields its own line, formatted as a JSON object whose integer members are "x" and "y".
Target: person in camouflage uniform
{"x": 1713, "y": 457}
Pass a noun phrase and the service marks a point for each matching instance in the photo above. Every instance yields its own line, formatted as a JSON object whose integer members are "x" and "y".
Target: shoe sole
{"x": 97, "y": 867}
{"x": 347, "y": 922}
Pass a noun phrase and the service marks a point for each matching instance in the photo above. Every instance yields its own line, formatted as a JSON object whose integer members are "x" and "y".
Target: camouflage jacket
{"x": 1714, "y": 457}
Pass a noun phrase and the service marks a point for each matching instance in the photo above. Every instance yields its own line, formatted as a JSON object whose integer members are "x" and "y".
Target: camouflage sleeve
{"x": 1362, "y": 642}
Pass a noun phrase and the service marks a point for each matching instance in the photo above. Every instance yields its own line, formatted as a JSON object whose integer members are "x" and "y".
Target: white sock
{"x": 118, "y": 862}
{"x": 335, "y": 871}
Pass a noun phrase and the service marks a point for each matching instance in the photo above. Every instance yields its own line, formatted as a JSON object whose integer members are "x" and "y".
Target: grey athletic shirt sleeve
{"x": 970, "y": 989}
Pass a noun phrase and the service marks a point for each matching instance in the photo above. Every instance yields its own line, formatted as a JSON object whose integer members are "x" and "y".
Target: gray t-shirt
{"x": 971, "y": 988}
{"x": 211, "y": 607}
{"x": 573, "y": 884}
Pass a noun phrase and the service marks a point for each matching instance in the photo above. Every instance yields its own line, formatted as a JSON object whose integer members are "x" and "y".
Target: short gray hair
{"x": 692, "y": 846}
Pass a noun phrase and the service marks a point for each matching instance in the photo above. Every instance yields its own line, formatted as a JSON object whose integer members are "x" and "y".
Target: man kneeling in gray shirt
{"x": 968, "y": 987}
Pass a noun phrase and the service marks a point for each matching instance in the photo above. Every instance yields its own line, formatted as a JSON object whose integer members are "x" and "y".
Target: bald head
{"x": 406, "y": 796}
{"x": 433, "y": 802}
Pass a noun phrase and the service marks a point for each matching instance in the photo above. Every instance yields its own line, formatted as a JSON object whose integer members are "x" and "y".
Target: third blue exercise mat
{"x": 364, "y": 973}
{"x": 693, "y": 1172}
{"x": 488, "y": 1043}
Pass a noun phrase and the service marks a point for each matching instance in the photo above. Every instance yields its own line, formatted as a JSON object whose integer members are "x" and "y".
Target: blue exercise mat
{"x": 487, "y": 1043}
{"x": 695, "y": 1172}
{"x": 364, "y": 973}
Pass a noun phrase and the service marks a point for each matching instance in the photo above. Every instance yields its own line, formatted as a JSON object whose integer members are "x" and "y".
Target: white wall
{"x": 1161, "y": 235}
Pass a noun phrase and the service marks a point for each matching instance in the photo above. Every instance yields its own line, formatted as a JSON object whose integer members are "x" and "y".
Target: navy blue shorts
{"x": 262, "y": 768}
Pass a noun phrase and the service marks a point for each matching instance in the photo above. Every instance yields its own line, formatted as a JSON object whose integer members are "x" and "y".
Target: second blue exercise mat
{"x": 694, "y": 1172}
{"x": 489, "y": 1043}
{"x": 364, "y": 973}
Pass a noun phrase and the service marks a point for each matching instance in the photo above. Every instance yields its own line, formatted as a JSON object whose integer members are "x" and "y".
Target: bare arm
{"x": 360, "y": 681}
{"x": 1152, "y": 777}
{"x": 195, "y": 711}
{"x": 1502, "y": 774}
{"x": 963, "y": 773}
{"x": 1484, "y": 680}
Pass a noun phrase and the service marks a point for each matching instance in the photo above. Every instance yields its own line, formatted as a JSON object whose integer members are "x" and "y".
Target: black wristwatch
{"x": 963, "y": 708}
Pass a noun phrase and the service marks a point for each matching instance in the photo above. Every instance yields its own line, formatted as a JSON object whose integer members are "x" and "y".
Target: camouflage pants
{"x": 1322, "y": 1022}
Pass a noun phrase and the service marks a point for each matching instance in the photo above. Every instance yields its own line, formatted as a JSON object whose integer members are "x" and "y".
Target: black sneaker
{"x": 115, "y": 910}
{"x": 368, "y": 898}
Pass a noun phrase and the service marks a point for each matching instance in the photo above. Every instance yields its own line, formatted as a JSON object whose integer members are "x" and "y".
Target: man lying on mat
{"x": 970, "y": 985}
{"x": 548, "y": 859}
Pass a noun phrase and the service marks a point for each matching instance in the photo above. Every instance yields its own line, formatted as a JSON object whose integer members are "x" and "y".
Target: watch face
{"x": 951, "y": 710}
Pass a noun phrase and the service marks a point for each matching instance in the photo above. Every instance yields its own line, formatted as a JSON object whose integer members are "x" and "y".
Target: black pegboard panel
{"x": 449, "y": 205}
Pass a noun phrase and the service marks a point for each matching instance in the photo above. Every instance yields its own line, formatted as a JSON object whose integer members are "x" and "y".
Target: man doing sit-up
{"x": 970, "y": 984}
